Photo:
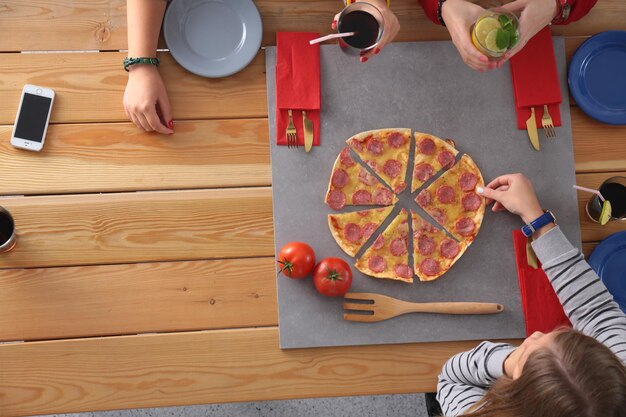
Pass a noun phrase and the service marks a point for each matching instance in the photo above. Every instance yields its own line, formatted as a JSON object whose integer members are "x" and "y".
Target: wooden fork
{"x": 546, "y": 122}
{"x": 380, "y": 307}
{"x": 292, "y": 138}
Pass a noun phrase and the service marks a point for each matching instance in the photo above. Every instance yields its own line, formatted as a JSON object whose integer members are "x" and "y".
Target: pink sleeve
{"x": 430, "y": 9}
{"x": 579, "y": 9}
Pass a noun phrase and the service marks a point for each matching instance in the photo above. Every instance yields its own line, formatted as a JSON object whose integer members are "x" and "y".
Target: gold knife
{"x": 531, "y": 126}
{"x": 308, "y": 132}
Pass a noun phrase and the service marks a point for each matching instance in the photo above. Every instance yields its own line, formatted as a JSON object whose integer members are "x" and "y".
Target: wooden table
{"x": 144, "y": 271}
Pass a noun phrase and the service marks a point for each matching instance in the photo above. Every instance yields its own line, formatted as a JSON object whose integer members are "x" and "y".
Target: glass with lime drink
{"x": 495, "y": 32}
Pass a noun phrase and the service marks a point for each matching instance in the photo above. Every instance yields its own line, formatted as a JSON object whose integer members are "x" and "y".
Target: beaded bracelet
{"x": 134, "y": 61}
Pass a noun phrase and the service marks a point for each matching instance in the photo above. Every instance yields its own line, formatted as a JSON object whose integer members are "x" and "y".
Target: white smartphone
{"x": 33, "y": 115}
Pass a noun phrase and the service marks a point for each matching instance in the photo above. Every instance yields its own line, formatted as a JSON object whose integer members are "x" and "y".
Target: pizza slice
{"x": 352, "y": 230}
{"x": 453, "y": 202}
{"x": 353, "y": 185}
{"x": 434, "y": 252}
{"x": 388, "y": 256}
{"x": 432, "y": 154}
{"x": 386, "y": 151}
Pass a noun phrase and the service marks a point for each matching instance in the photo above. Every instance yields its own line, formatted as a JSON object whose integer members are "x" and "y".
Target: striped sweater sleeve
{"x": 584, "y": 297}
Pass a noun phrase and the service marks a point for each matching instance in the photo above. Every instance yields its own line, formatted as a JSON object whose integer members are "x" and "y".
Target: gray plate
{"x": 213, "y": 38}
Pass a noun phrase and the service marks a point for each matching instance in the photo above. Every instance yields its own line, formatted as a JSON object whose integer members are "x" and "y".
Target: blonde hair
{"x": 575, "y": 376}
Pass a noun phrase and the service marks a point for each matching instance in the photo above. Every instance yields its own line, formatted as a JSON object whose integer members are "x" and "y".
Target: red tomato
{"x": 332, "y": 277}
{"x": 296, "y": 260}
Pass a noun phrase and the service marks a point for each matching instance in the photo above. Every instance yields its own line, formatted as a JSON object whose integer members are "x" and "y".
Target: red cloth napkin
{"x": 297, "y": 83}
{"x": 535, "y": 80}
{"x": 542, "y": 309}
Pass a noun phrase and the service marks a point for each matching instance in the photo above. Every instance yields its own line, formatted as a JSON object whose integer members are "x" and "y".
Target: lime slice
{"x": 605, "y": 215}
{"x": 484, "y": 27}
{"x": 491, "y": 41}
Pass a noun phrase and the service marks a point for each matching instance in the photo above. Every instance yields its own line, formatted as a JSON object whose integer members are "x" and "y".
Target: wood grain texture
{"x": 119, "y": 157}
{"x": 137, "y": 298}
{"x": 99, "y": 24}
{"x": 90, "y": 87}
{"x": 140, "y": 227}
{"x": 588, "y": 248}
{"x": 204, "y": 367}
{"x": 591, "y": 231}
{"x": 597, "y": 146}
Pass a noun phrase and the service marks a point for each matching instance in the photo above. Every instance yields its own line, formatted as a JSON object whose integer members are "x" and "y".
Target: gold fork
{"x": 380, "y": 307}
{"x": 292, "y": 138}
{"x": 546, "y": 122}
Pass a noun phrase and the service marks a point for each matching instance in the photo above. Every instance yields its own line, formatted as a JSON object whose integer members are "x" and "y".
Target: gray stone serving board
{"x": 424, "y": 86}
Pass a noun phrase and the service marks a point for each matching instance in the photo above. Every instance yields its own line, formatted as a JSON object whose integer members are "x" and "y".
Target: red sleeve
{"x": 579, "y": 9}
{"x": 430, "y": 9}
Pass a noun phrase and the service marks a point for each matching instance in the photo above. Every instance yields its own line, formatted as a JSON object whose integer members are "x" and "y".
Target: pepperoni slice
{"x": 465, "y": 226}
{"x": 446, "y": 159}
{"x": 430, "y": 267}
{"x": 424, "y": 198}
{"x": 397, "y": 247}
{"x": 423, "y": 171}
{"x": 375, "y": 146}
{"x": 355, "y": 144}
{"x": 383, "y": 197}
{"x": 446, "y": 194}
{"x": 468, "y": 181}
{"x": 392, "y": 168}
{"x": 363, "y": 213}
{"x": 366, "y": 178}
{"x": 449, "y": 248}
{"x": 373, "y": 165}
{"x": 438, "y": 215}
{"x": 336, "y": 199}
{"x": 346, "y": 158}
{"x": 471, "y": 202}
{"x": 396, "y": 140}
{"x": 361, "y": 197}
{"x": 425, "y": 245}
{"x": 340, "y": 178}
{"x": 399, "y": 188}
{"x": 379, "y": 242}
{"x": 403, "y": 271}
{"x": 352, "y": 232}
{"x": 422, "y": 227}
{"x": 369, "y": 229}
{"x": 377, "y": 263}
{"x": 427, "y": 146}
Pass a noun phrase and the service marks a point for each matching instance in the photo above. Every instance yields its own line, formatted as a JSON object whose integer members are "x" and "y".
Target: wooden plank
{"x": 140, "y": 227}
{"x": 204, "y": 367}
{"x": 597, "y": 146}
{"x": 137, "y": 298}
{"x": 588, "y": 247}
{"x": 120, "y": 157}
{"x": 98, "y": 24}
{"x": 90, "y": 87}
{"x": 591, "y": 231}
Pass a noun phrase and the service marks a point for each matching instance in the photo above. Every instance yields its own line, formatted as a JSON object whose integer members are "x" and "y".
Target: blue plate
{"x": 597, "y": 77}
{"x": 609, "y": 261}
{"x": 213, "y": 38}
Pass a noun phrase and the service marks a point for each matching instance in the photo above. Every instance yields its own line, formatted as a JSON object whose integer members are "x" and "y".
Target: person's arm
{"x": 585, "y": 299}
{"x": 145, "y": 96}
{"x": 466, "y": 376}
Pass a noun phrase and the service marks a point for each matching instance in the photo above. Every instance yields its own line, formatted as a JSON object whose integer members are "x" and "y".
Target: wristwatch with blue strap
{"x": 546, "y": 218}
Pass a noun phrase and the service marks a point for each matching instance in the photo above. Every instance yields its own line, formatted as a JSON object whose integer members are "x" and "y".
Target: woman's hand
{"x": 534, "y": 15}
{"x": 513, "y": 193}
{"x": 459, "y": 16}
{"x": 390, "y": 30}
{"x": 145, "y": 100}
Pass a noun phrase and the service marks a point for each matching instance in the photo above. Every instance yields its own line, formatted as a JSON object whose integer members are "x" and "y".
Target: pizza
{"x": 453, "y": 202}
{"x": 388, "y": 256}
{"x": 353, "y": 185}
{"x": 434, "y": 252}
{"x": 432, "y": 154}
{"x": 386, "y": 151}
{"x": 352, "y": 230}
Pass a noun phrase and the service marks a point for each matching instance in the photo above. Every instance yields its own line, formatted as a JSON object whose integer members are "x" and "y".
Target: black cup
{"x": 7, "y": 231}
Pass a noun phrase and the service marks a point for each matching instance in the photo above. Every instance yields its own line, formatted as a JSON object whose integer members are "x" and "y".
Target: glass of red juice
{"x": 367, "y": 21}
{"x": 614, "y": 190}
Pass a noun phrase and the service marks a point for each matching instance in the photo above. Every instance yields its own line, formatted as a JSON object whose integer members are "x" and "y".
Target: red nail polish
{"x": 170, "y": 124}
{"x": 334, "y": 25}
{"x": 376, "y": 51}
{"x": 363, "y": 59}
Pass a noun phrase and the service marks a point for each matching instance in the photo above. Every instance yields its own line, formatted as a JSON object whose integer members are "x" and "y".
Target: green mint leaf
{"x": 502, "y": 39}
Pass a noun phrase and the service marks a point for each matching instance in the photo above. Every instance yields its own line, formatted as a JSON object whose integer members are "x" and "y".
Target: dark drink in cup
{"x": 7, "y": 231}
{"x": 614, "y": 190}
{"x": 367, "y": 23}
